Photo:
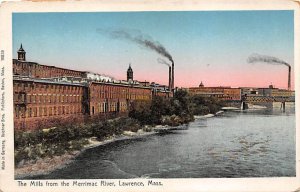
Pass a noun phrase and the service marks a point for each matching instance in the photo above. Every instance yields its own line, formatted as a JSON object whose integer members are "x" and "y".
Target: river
{"x": 254, "y": 143}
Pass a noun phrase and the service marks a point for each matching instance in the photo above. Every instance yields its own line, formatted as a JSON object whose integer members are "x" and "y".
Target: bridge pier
{"x": 283, "y": 106}
{"x": 244, "y": 105}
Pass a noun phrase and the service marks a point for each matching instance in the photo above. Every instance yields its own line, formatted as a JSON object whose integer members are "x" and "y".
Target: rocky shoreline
{"x": 46, "y": 165}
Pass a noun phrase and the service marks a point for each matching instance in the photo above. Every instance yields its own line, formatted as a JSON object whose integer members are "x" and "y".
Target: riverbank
{"x": 46, "y": 165}
{"x": 43, "y": 166}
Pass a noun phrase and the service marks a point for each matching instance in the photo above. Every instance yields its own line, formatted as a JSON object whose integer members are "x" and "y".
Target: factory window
{"x": 15, "y": 97}
{"x": 54, "y": 111}
{"x": 33, "y": 111}
{"x": 50, "y": 111}
{"x": 33, "y": 98}
{"x": 45, "y": 111}
{"x": 29, "y": 112}
{"x": 17, "y": 112}
{"x": 40, "y": 112}
{"x": 21, "y": 97}
{"x": 29, "y": 98}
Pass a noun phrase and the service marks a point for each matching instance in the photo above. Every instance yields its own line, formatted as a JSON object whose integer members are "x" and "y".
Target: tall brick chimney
{"x": 170, "y": 78}
{"x": 289, "y": 78}
{"x": 172, "y": 75}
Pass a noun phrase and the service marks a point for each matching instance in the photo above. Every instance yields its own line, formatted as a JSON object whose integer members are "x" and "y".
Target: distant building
{"x": 268, "y": 91}
{"x": 275, "y": 92}
{"x": 223, "y": 93}
{"x": 249, "y": 90}
{"x": 235, "y": 94}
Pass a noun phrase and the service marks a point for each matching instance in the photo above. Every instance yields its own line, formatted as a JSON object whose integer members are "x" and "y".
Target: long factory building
{"x": 45, "y": 96}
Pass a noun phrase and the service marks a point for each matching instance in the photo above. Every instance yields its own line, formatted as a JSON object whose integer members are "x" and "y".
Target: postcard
{"x": 149, "y": 95}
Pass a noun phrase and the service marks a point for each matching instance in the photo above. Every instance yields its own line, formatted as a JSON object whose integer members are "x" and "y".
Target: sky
{"x": 207, "y": 46}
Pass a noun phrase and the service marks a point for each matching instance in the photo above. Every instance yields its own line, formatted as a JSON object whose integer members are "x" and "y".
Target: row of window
{"x": 119, "y": 90}
{"x": 109, "y": 107}
{"x": 50, "y": 98}
{"x": 123, "y": 95}
{"x": 22, "y": 112}
{"x": 48, "y": 87}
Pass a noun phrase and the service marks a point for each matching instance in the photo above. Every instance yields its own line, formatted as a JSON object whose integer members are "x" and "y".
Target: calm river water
{"x": 257, "y": 143}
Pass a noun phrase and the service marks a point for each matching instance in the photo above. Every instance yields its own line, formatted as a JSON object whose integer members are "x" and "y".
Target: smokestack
{"x": 170, "y": 78}
{"x": 270, "y": 60}
{"x": 289, "y": 78}
{"x": 172, "y": 75}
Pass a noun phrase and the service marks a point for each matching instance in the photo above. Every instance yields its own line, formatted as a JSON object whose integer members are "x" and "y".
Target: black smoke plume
{"x": 254, "y": 58}
{"x": 139, "y": 38}
{"x": 159, "y": 60}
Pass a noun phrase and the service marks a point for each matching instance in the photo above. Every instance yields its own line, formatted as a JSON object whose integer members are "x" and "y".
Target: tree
{"x": 181, "y": 103}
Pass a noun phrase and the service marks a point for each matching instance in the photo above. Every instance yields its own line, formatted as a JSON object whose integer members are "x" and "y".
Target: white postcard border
{"x": 7, "y": 181}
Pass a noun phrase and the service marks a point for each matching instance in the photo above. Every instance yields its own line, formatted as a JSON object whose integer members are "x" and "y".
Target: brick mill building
{"x": 47, "y": 95}
{"x": 222, "y": 93}
{"x": 236, "y": 94}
